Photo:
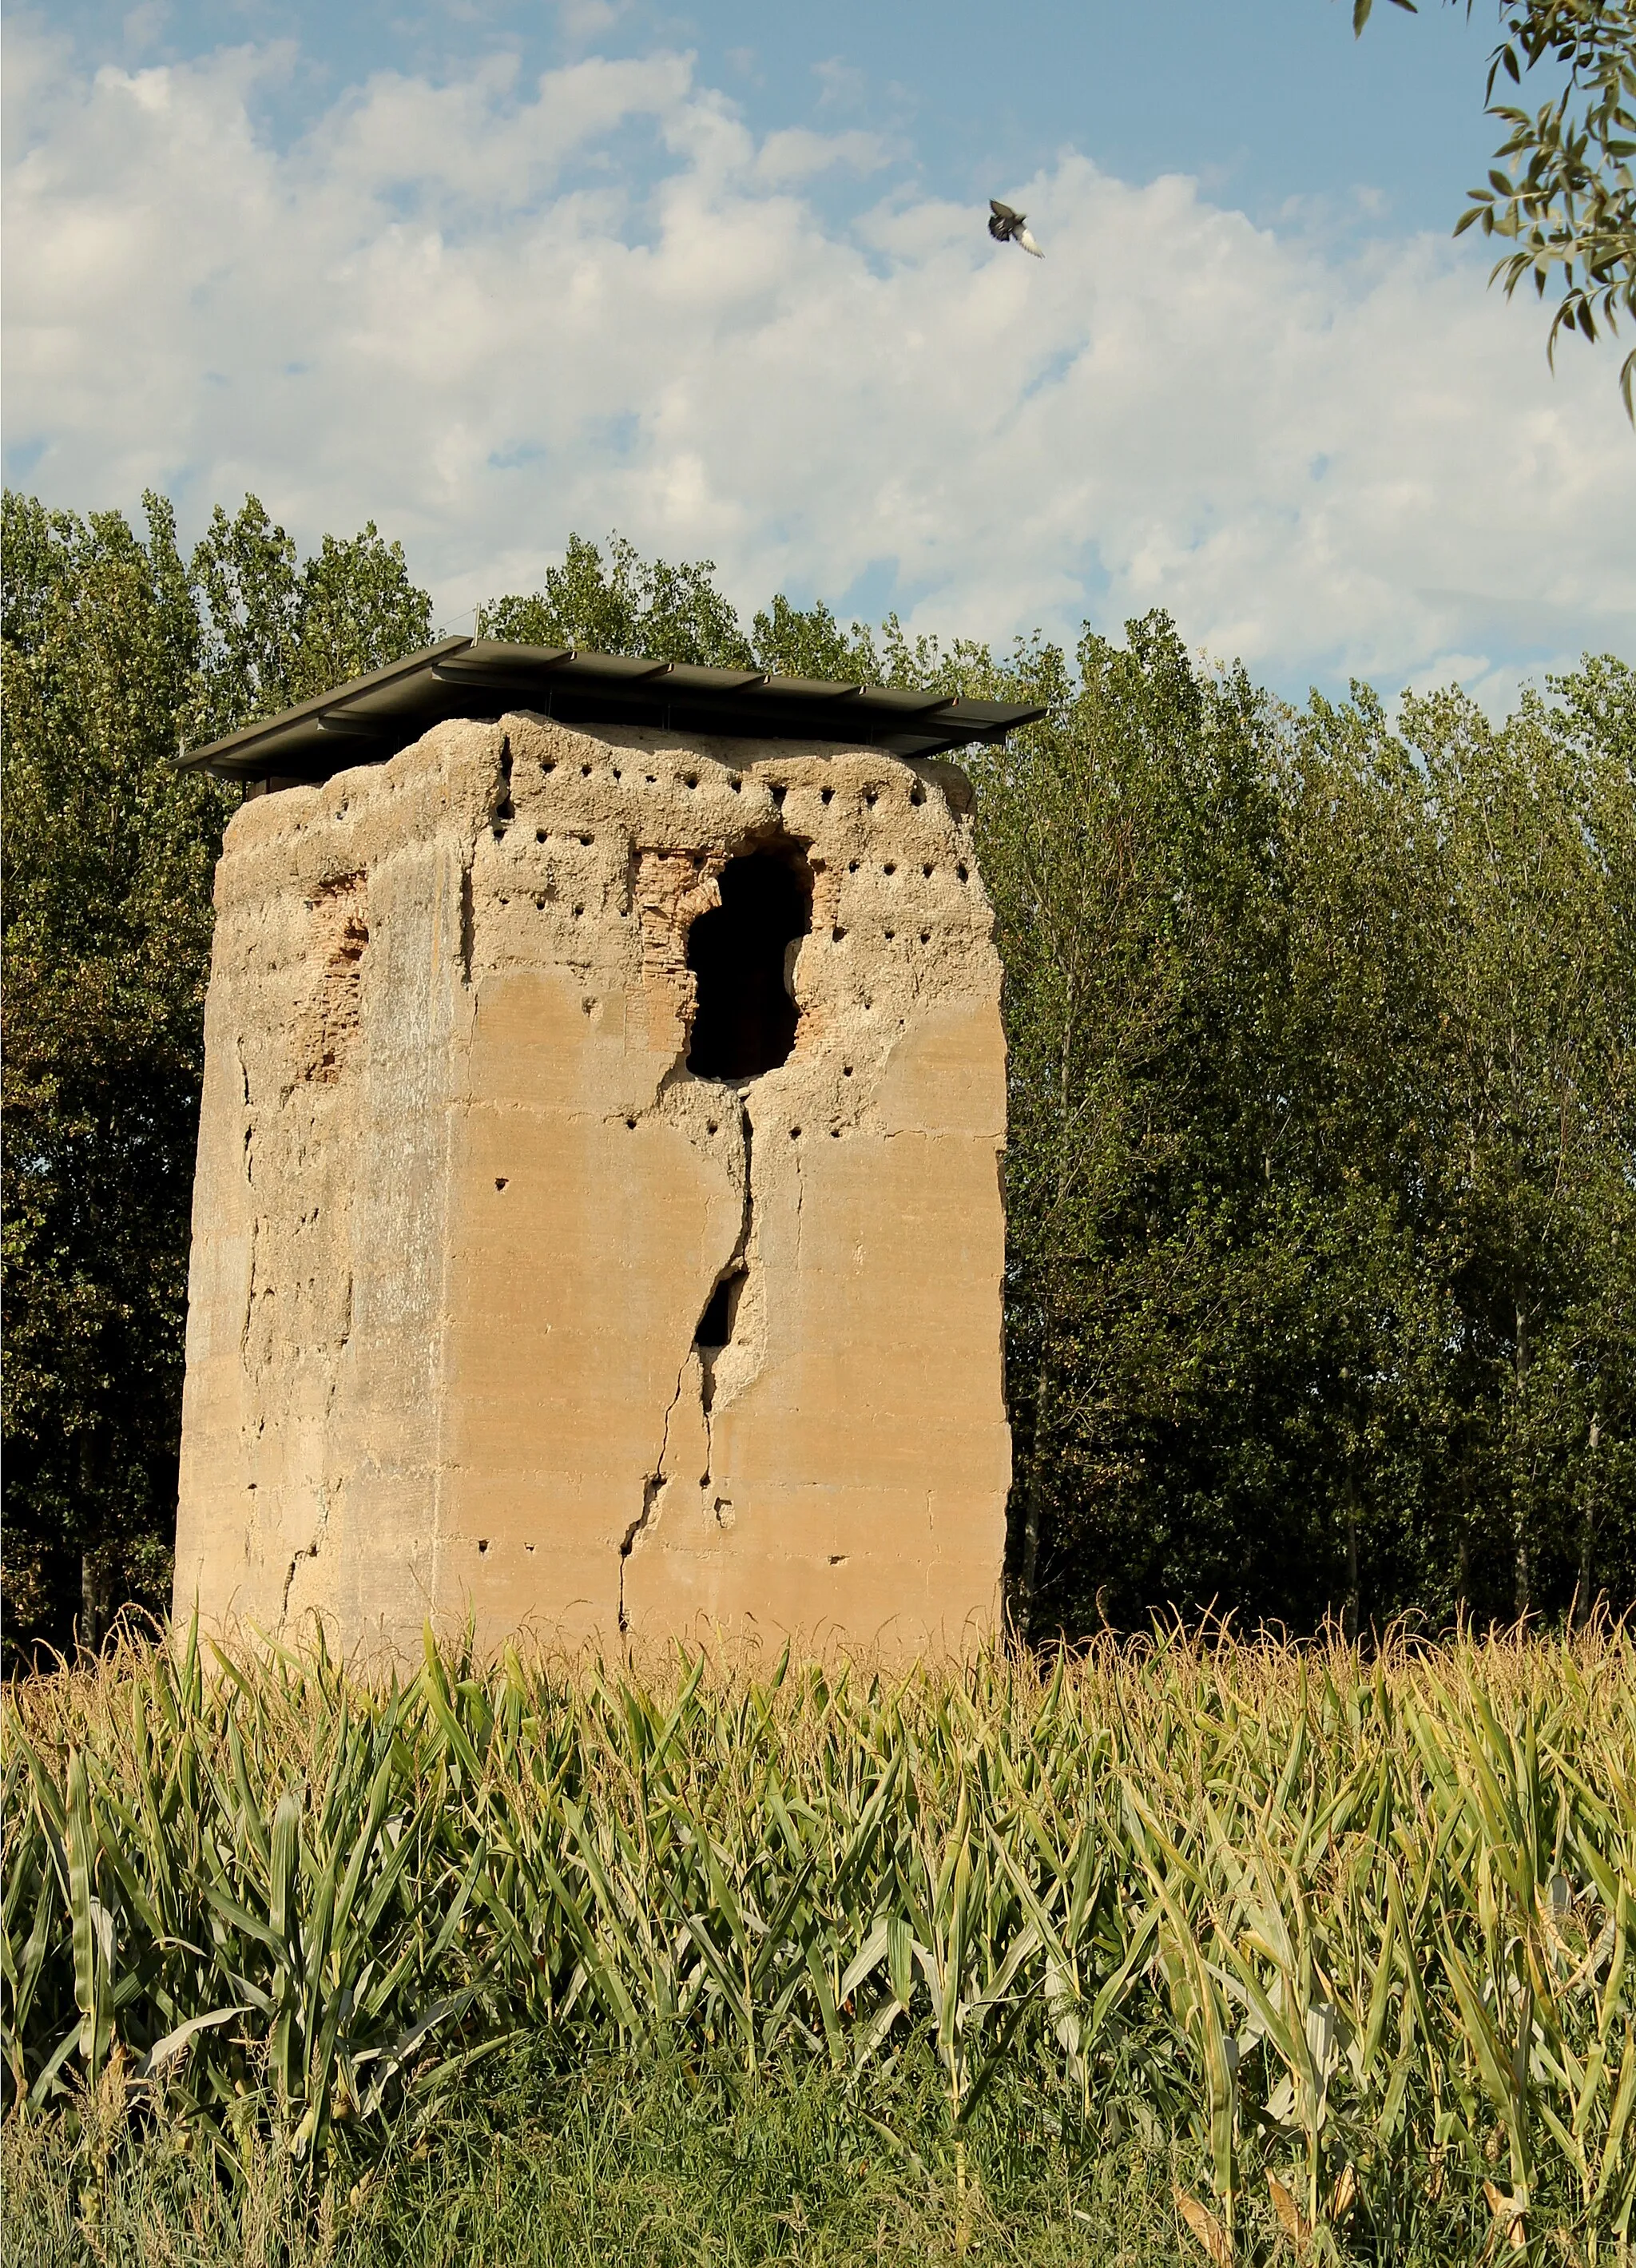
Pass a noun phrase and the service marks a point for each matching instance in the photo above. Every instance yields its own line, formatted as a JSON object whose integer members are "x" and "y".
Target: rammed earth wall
{"x": 497, "y": 1307}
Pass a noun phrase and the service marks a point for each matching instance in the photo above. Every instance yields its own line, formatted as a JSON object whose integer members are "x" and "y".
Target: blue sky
{"x": 1265, "y": 99}
{"x": 718, "y": 277}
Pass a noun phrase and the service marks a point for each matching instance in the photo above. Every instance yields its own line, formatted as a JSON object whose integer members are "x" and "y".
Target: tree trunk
{"x": 1034, "y": 1495}
{"x": 1033, "y": 1504}
{"x": 1462, "y": 1556}
{"x": 1350, "y": 1611}
{"x": 1579, "y": 1610}
{"x": 90, "y": 1604}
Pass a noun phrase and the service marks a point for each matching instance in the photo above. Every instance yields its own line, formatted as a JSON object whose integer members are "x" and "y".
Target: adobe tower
{"x": 598, "y": 1225}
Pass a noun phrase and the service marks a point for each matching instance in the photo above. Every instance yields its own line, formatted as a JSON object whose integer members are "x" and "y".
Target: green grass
{"x": 1330, "y": 1956}
{"x": 667, "y": 2166}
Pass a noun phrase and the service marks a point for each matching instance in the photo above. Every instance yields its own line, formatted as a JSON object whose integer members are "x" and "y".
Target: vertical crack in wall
{"x": 307, "y": 1552}
{"x": 250, "y": 1291}
{"x": 650, "y": 1488}
{"x": 671, "y": 893}
{"x": 718, "y": 1312}
{"x": 469, "y": 924}
{"x": 726, "y": 1298}
{"x": 801, "y": 1202}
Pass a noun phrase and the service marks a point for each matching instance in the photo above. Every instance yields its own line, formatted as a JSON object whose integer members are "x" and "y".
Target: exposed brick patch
{"x": 329, "y": 1028}
{"x": 672, "y": 888}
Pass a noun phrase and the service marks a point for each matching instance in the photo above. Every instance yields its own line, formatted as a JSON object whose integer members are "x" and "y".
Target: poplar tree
{"x": 114, "y": 652}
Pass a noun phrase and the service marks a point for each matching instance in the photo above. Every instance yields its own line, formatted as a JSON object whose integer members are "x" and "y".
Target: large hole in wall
{"x": 715, "y": 1330}
{"x": 745, "y": 1021}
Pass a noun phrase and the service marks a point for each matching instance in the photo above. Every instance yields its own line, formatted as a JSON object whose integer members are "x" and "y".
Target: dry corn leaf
{"x": 1292, "y": 2219}
{"x": 1205, "y": 2228}
{"x": 1509, "y": 2211}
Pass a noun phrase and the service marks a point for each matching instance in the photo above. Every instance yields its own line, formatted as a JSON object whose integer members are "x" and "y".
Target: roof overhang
{"x": 369, "y": 718}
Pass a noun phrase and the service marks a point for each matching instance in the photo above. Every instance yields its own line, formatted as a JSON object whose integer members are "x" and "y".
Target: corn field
{"x": 1334, "y": 1925}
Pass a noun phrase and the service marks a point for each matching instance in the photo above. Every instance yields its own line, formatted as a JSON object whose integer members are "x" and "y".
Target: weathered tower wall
{"x": 496, "y": 1308}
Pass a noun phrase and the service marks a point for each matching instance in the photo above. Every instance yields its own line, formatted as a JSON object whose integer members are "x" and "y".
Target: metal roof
{"x": 372, "y": 718}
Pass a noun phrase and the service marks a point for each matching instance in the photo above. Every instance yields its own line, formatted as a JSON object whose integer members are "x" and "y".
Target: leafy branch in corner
{"x": 1561, "y": 190}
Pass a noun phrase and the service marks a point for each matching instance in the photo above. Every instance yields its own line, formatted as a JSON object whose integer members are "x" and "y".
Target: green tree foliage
{"x": 1127, "y": 842}
{"x": 630, "y": 606}
{"x": 1561, "y": 190}
{"x": 1323, "y": 1144}
{"x": 1321, "y": 1263}
{"x": 114, "y": 651}
{"x": 277, "y": 631}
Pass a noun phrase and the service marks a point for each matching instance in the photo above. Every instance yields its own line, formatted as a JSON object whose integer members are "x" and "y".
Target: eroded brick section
{"x": 673, "y": 887}
{"x": 341, "y": 931}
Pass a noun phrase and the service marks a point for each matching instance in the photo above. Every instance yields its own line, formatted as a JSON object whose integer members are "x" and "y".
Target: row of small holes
{"x": 712, "y": 1126}
{"x": 889, "y": 866}
{"x": 917, "y": 794}
{"x": 871, "y": 795}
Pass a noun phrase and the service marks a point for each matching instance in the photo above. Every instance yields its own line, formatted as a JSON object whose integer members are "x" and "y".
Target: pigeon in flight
{"x": 1008, "y": 227}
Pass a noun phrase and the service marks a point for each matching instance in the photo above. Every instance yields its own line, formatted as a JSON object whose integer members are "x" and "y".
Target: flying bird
{"x": 1008, "y": 227}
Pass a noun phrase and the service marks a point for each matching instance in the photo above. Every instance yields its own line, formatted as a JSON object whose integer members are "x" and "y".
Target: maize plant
{"x": 1311, "y": 1920}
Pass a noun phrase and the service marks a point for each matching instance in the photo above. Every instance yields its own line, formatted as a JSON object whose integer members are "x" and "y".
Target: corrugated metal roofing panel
{"x": 371, "y": 718}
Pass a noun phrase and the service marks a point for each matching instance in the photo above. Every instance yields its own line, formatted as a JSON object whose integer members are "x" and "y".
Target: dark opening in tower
{"x": 745, "y": 1021}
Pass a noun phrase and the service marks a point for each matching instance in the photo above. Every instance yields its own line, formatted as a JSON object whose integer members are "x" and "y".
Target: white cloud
{"x": 795, "y": 153}
{"x": 842, "y": 86}
{"x": 483, "y": 313}
{"x": 585, "y": 20}
{"x": 144, "y": 24}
